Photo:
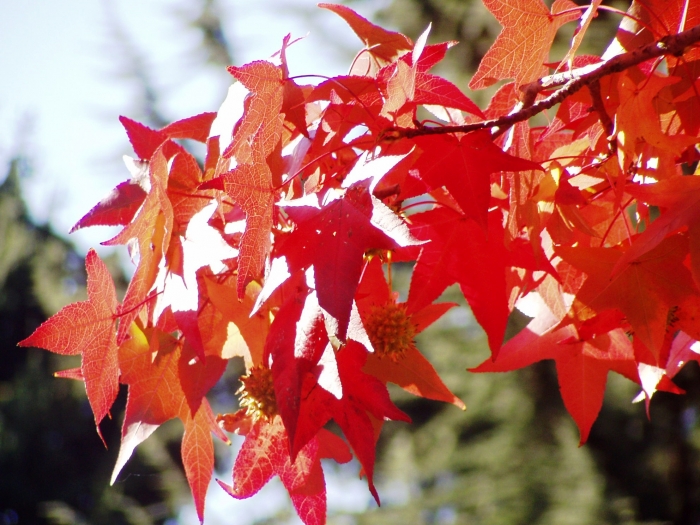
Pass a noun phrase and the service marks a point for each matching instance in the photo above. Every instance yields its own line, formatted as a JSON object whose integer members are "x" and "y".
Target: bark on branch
{"x": 569, "y": 82}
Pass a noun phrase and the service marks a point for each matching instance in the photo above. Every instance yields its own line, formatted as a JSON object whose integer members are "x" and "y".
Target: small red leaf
{"x": 116, "y": 209}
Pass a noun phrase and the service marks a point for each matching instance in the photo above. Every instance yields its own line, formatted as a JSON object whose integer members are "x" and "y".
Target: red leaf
{"x": 149, "y": 365}
{"x": 265, "y": 453}
{"x": 198, "y": 455}
{"x": 87, "y": 328}
{"x": 250, "y": 183}
{"x": 403, "y": 366}
{"x": 342, "y": 391}
{"x": 681, "y": 196}
{"x": 460, "y": 251}
{"x": 435, "y": 90}
{"x": 362, "y": 394}
{"x": 464, "y": 166}
{"x": 582, "y": 366}
{"x": 334, "y": 237}
{"x": 116, "y": 209}
{"x": 144, "y": 140}
{"x": 198, "y": 376}
{"x": 195, "y": 128}
{"x": 642, "y": 291}
{"x": 297, "y": 339}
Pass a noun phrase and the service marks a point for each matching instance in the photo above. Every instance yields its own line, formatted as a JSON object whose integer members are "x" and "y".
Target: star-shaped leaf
{"x": 464, "y": 166}
{"x": 334, "y": 238}
{"x": 522, "y": 48}
{"x": 582, "y": 366}
{"x": 381, "y": 46}
{"x": 151, "y": 229}
{"x": 394, "y": 357}
{"x": 460, "y": 251}
{"x": 265, "y": 453}
{"x": 87, "y": 328}
{"x": 644, "y": 291}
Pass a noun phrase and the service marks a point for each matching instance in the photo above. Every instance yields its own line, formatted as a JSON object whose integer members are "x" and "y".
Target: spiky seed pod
{"x": 390, "y": 330}
{"x": 257, "y": 394}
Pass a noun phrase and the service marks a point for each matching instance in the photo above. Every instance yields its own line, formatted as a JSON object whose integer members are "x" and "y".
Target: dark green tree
{"x": 53, "y": 464}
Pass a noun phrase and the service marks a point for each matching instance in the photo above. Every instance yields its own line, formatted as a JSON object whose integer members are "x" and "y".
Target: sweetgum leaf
{"x": 195, "y": 128}
{"x": 265, "y": 453}
{"x": 435, "y": 90}
{"x": 116, "y": 209}
{"x": 681, "y": 197}
{"x": 155, "y": 394}
{"x": 644, "y": 291}
{"x": 334, "y": 238}
{"x": 248, "y": 339}
{"x": 152, "y": 229}
{"x": 582, "y": 366}
{"x": 383, "y": 45}
{"x": 637, "y": 119}
{"x": 411, "y": 371}
{"x": 146, "y": 141}
{"x": 87, "y": 328}
{"x": 250, "y": 183}
{"x": 464, "y": 166}
{"x": 460, "y": 251}
{"x": 353, "y": 400}
{"x": 659, "y": 18}
{"x": 522, "y": 48}
{"x": 198, "y": 376}
{"x": 362, "y": 394}
{"x": 198, "y": 455}
{"x": 297, "y": 339}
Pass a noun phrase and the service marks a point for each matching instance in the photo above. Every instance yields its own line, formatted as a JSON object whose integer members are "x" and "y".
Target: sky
{"x": 63, "y": 88}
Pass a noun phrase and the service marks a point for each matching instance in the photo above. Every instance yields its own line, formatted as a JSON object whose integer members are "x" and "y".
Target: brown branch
{"x": 599, "y": 107}
{"x": 570, "y": 82}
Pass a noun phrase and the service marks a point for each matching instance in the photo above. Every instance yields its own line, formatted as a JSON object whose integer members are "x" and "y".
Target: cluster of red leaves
{"x": 273, "y": 249}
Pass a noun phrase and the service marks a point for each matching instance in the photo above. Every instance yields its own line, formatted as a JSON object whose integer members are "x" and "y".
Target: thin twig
{"x": 568, "y": 82}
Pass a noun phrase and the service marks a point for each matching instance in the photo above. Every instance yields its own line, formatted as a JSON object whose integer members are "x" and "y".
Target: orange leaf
{"x": 250, "y": 183}
{"x": 637, "y": 120}
{"x": 198, "y": 455}
{"x": 152, "y": 228}
{"x": 150, "y": 368}
{"x": 522, "y": 48}
{"x": 246, "y": 338}
{"x": 382, "y": 46}
{"x": 87, "y": 328}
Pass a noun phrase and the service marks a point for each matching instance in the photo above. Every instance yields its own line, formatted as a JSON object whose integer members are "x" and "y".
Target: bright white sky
{"x": 63, "y": 88}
